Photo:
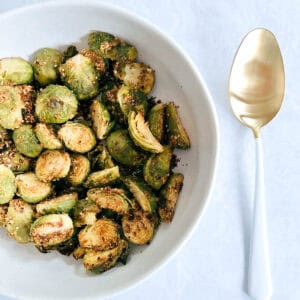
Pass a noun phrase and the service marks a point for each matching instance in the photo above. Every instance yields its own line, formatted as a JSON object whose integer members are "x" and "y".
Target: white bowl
{"x": 27, "y": 274}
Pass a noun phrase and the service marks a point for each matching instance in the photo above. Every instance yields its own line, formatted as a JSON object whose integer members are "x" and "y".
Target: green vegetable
{"x": 98, "y": 61}
{"x": 7, "y": 184}
{"x": 104, "y": 160}
{"x": 3, "y": 212}
{"x": 80, "y": 168}
{"x": 85, "y": 212}
{"x": 28, "y": 95}
{"x": 14, "y": 160}
{"x": 69, "y": 52}
{"x": 103, "y": 177}
{"x": 156, "y": 121}
{"x": 5, "y": 141}
{"x": 47, "y": 137}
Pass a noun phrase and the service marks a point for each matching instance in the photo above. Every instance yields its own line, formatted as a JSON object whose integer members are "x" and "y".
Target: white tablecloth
{"x": 212, "y": 265}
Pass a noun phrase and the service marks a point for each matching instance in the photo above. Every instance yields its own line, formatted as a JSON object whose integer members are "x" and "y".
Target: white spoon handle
{"x": 259, "y": 277}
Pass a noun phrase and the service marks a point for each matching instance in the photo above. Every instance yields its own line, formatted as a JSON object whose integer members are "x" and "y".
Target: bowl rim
{"x": 215, "y": 125}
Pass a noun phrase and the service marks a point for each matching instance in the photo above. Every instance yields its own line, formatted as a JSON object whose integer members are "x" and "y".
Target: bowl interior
{"x": 26, "y": 273}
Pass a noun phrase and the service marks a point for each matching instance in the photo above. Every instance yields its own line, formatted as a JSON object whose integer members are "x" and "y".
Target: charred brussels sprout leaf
{"x": 111, "y": 47}
{"x": 80, "y": 75}
{"x": 45, "y": 65}
{"x": 3, "y": 212}
{"x": 55, "y": 104}
{"x": 15, "y": 70}
{"x": 18, "y": 220}
{"x": 156, "y": 121}
{"x": 52, "y": 165}
{"x": 69, "y": 52}
{"x": 178, "y": 136}
{"x": 80, "y": 168}
{"x": 110, "y": 198}
{"x": 47, "y": 137}
{"x": 102, "y": 235}
{"x": 157, "y": 168}
{"x": 169, "y": 195}
{"x": 141, "y": 134}
{"x": 77, "y": 137}
{"x": 85, "y": 212}
{"x": 7, "y": 184}
{"x": 79, "y": 252}
{"x": 104, "y": 160}
{"x": 136, "y": 76}
{"x": 103, "y": 177}
{"x": 31, "y": 189}
{"x": 102, "y": 123}
{"x": 14, "y": 160}
{"x": 60, "y": 204}
{"x": 11, "y": 107}
{"x": 51, "y": 230}
{"x": 28, "y": 95}
{"x": 5, "y": 141}
{"x": 122, "y": 149}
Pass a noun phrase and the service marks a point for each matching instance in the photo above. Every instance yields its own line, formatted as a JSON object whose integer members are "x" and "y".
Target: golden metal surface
{"x": 256, "y": 86}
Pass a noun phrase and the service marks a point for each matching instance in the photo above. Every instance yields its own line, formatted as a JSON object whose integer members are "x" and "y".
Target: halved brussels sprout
{"x": 11, "y": 107}
{"x": 3, "y": 212}
{"x": 136, "y": 76}
{"x": 26, "y": 141}
{"x": 169, "y": 195}
{"x": 101, "y": 261}
{"x": 79, "y": 252}
{"x": 45, "y": 65}
{"x": 102, "y": 123}
{"x": 104, "y": 160}
{"x": 18, "y": 220}
{"x": 52, "y": 165}
{"x": 56, "y": 104}
{"x": 156, "y": 121}
{"x": 51, "y": 230}
{"x": 102, "y": 235}
{"x": 141, "y": 134}
{"x": 110, "y": 198}
{"x": 98, "y": 61}
{"x": 80, "y": 168}
{"x": 111, "y": 47}
{"x": 142, "y": 193}
{"x": 12, "y": 159}
{"x": 103, "y": 177}
{"x": 77, "y": 137}
{"x": 57, "y": 205}
{"x": 80, "y": 75}
{"x": 69, "y": 52}
{"x": 28, "y": 95}
{"x": 5, "y": 141}
{"x": 47, "y": 137}
{"x": 7, "y": 184}
{"x": 31, "y": 189}
{"x": 178, "y": 136}
{"x": 130, "y": 99}
{"x": 138, "y": 227}
{"x": 157, "y": 168}
{"x": 15, "y": 70}
{"x": 85, "y": 212}
{"x": 122, "y": 149}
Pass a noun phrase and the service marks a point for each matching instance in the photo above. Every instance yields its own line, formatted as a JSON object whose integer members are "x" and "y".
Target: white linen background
{"x": 212, "y": 264}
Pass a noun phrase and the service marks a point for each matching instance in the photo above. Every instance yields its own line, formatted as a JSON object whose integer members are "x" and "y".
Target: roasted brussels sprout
{"x": 57, "y": 205}
{"x": 138, "y": 227}
{"x": 45, "y": 65}
{"x": 122, "y": 149}
{"x": 3, "y": 212}
{"x": 142, "y": 193}
{"x": 14, "y": 160}
{"x": 101, "y": 261}
{"x": 157, "y": 168}
{"x": 111, "y": 47}
{"x": 79, "y": 252}
{"x": 102, "y": 235}
{"x": 156, "y": 121}
{"x": 31, "y": 189}
{"x": 26, "y": 141}
{"x": 136, "y": 76}
{"x": 141, "y": 134}
{"x": 98, "y": 61}
{"x": 85, "y": 212}
{"x": 15, "y": 70}
{"x": 11, "y": 107}
{"x": 104, "y": 160}
{"x": 7, "y": 184}
{"x": 28, "y": 95}
{"x": 80, "y": 168}
{"x": 69, "y": 52}
{"x": 5, "y": 141}
{"x": 103, "y": 177}
{"x": 80, "y": 75}
{"x": 18, "y": 220}
{"x": 102, "y": 123}
{"x": 77, "y": 137}
{"x": 178, "y": 136}
{"x": 130, "y": 99}
{"x": 52, "y": 165}
{"x": 169, "y": 195}
{"x": 47, "y": 137}
{"x": 55, "y": 104}
{"x": 51, "y": 230}
{"x": 110, "y": 198}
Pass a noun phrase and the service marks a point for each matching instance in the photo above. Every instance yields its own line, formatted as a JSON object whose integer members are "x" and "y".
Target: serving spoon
{"x": 256, "y": 90}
